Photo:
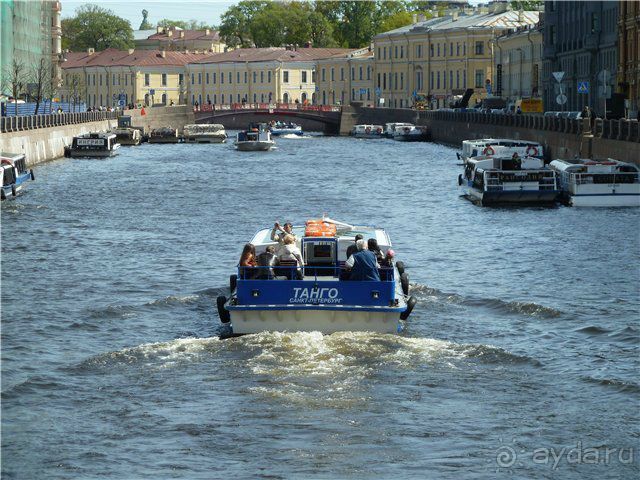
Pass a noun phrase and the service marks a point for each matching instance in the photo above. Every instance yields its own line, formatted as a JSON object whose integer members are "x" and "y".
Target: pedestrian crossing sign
{"x": 583, "y": 87}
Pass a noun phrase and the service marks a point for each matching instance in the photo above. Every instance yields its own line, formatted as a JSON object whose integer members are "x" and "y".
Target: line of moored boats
{"x": 402, "y": 132}
{"x": 506, "y": 171}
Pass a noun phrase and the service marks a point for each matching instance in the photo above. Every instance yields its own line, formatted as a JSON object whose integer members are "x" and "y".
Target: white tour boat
{"x": 93, "y": 145}
{"x": 411, "y": 133}
{"x": 288, "y": 128}
{"x": 390, "y": 128}
{"x": 367, "y": 131}
{"x": 164, "y": 135}
{"x": 598, "y": 183}
{"x": 15, "y": 175}
{"x": 256, "y": 139}
{"x": 318, "y": 296}
{"x": 127, "y": 136}
{"x": 505, "y": 147}
{"x": 204, "y": 133}
{"x": 509, "y": 180}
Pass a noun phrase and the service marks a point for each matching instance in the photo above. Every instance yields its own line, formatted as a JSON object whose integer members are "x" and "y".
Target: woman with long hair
{"x": 248, "y": 259}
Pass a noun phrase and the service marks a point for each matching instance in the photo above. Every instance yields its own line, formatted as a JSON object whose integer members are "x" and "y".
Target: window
{"x": 353, "y": 73}
{"x": 313, "y": 76}
{"x": 230, "y": 77}
{"x": 438, "y": 49}
{"x": 457, "y": 49}
{"x": 438, "y": 78}
{"x": 285, "y": 76}
{"x": 431, "y": 49}
{"x": 384, "y": 53}
{"x": 464, "y": 49}
{"x": 222, "y": 80}
{"x": 269, "y": 76}
{"x": 207, "y": 78}
{"x": 360, "y": 74}
{"x": 378, "y": 80}
{"x": 237, "y": 77}
{"x": 457, "y": 78}
{"x": 304, "y": 76}
{"x": 180, "y": 78}
{"x": 199, "y": 78}
{"x": 146, "y": 80}
{"x": 479, "y": 48}
{"x": 255, "y": 77}
{"x": 113, "y": 79}
{"x": 401, "y": 81}
{"x": 214, "y": 81}
{"x": 246, "y": 76}
{"x": 451, "y": 49}
{"x": 332, "y": 74}
{"x": 450, "y": 78}
{"x": 262, "y": 76}
{"x": 444, "y": 80}
{"x": 164, "y": 80}
{"x": 384, "y": 81}
{"x": 479, "y": 79}
{"x": 401, "y": 51}
{"x": 222, "y": 96}
{"x": 379, "y": 52}
{"x": 126, "y": 80}
{"x": 323, "y": 79}
{"x": 419, "y": 51}
{"x": 368, "y": 73}
{"x": 464, "y": 79}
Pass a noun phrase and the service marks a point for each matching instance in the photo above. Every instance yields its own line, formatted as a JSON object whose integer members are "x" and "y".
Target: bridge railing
{"x": 31, "y": 122}
{"x": 625, "y": 130}
{"x": 267, "y": 107}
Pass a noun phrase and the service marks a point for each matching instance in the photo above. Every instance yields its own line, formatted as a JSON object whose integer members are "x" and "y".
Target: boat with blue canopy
{"x": 318, "y": 295}
{"x": 15, "y": 174}
{"x": 285, "y": 128}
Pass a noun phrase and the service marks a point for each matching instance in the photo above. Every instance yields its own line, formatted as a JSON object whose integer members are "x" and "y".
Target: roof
{"x": 112, "y": 57}
{"x": 163, "y": 36}
{"x": 475, "y": 21}
{"x": 279, "y": 54}
{"x": 143, "y": 34}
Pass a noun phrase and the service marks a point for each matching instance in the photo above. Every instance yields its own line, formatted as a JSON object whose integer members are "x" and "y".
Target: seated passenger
{"x": 387, "y": 261}
{"x": 363, "y": 264}
{"x": 279, "y": 237}
{"x": 267, "y": 259}
{"x": 248, "y": 261}
{"x": 352, "y": 248}
{"x": 289, "y": 254}
{"x": 372, "y": 245}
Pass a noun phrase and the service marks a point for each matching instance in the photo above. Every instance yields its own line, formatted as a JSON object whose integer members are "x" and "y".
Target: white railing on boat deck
{"x": 545, "y": 178}
{"x": 604, "y": 178}
{"x": 293, "y": 272}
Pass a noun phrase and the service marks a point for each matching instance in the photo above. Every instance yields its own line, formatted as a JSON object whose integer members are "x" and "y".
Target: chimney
{"x": 454, "y": 16}
{"x": 421, "y": 17}
{"x": 159, "y": 29}
{"x": 520, "y": 16}
{"x": 131, "y": 50}
{"x": 163, "y": 53}
{"x": 91, "y": 51}
{"x": 414, "y": 18}
{"x": 170, "y": 33}
{"x": 207, "y": 32}
{"x": 186, "y": 50}
{"x": 181, "y": 33}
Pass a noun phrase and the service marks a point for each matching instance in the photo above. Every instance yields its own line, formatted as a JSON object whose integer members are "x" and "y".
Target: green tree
{"x": 235, "y": 28}
{"x": 396, "y": 20}
{"x": 96, "y": 27}
{"x": 184, "y": 25}
{"x": 526, "y": 5}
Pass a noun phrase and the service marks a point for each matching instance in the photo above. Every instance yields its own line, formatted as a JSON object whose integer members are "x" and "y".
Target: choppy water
{"x": 525, "y": 341}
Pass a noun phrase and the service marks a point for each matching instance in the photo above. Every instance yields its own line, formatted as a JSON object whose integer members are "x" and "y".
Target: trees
{"x": 40, "y": 79}
{"x": 96, "y": 27}
{"x": 184, "y": 25}
{"x": 13, "y": 78}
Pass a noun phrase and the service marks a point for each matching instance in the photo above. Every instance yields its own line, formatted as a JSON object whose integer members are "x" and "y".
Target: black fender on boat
{"x": 13, "y": 190}
{"x": 458, "y": 155}
{"x": 2, "y": 195}
{"x": 33, "y": 177}
{"x": 223, "y": 313}
{"x": 410, "y": 304}
{"x": 460, "y": 179}
{"x": 67, "y": 151}
{"x": 404, "y": 281}
{"x": 233, "y": 282}
{"x": 400, "y": 267}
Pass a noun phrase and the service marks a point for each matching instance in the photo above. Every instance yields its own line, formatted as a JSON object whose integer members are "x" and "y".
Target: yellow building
{"x": 343, "y": 78}
{"x": 145, "y": 77}
{"x": 441, "y": 57}
{"x": 255, "y": 75}
{"x": 518, "y": 64}
{"x": 176, "y": 39}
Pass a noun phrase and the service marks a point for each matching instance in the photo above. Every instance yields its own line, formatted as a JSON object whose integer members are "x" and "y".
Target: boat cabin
{"x": 367, "y": 130}
{"x": 94, "y": 142}
{"x": 493, "y": 146}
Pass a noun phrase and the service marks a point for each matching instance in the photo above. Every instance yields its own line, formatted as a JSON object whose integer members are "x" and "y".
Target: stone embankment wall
{"x": 157, "y": 117}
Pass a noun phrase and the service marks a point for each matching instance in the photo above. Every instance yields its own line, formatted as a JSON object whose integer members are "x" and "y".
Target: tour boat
{"x": 504, "y": 147}
{"x": 164, "y": 135}
{"x": 128, "y": 136}
{"x": 598, "y": 183}
{"x": 93, "y": 145}
{"x": 411, "y": 133}
{"x": 282, "y": 128}
{"x": 256, "y": 139}
{"x": 14, "y": 174}
{"x": 502, "y": 180}
{"x": 317, "y": 296}
{"x": 390, "y": 128}
{"x": 204, "y": 133}
{"x": 367, "y": 131}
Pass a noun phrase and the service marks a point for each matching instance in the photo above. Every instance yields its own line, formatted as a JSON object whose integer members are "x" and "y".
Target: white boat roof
{"x": 263, "y": 237}
{"x": 97, "y": 135}
{"x": 364, "y": 126}
{"x": 11, "y": 156}
{"x": 493, "y": 162}
{"x": 498, "y": 141}
{"x": 592, "y": 166}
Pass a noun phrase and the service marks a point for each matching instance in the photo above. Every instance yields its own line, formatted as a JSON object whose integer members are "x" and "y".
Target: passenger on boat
{"x": 284, "y": 231}
{"x": 269, "y": 259}
{"x": 387, "y": 261}
{"x": 248, "y": 261}
{"x": 372, "y": 245}
{"x": 290, "y": 255}
{"x": 352, "y": 248}
{"x": 363, "y": 264}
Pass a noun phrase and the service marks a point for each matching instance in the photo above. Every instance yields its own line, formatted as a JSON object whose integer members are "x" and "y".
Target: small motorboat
{"x": 128, "y": 136}
{"x": 318, "y": 296}
{"x": 93, "y": 145}
{"x": 204, "y": 133}
{"x": 15, "y": 174}
{"x": 505, "y": 147}
{"x": 411, "y": 133}
{"x": 367, "y": 131}
{"x": 164, "y": 135}
{"x": 598, "y": 183}
{"x": 256, "y": 139}
{"x": 282, "y": 128}
{"x": 500, "y": 180}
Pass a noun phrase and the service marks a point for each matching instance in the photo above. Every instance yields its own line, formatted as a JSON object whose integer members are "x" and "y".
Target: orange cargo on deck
{"x": 318, "y": 228}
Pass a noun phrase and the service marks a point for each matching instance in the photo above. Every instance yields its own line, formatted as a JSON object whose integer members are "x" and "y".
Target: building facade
{"x": 441, "y": 57}
{"x": 176, "y": 39}
{"x": 580, "y": 40}
{"x": 30, "y": 31}
{"x": 518, "y": 64}
{"x": 344, "y": 78}
{"x": 145, "y": 77}
{"x": 257, "y": 75}
{"x": 628, "y": 78}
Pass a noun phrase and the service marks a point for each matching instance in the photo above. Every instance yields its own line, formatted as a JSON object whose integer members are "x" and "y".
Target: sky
{"x": 207, "y": 11}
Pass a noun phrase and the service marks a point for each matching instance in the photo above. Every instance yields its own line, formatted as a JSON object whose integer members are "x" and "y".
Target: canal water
{"x": 520, "y": 360}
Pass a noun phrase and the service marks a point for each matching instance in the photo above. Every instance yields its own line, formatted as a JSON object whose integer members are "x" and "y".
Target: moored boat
{"x": 318, "y": 296}
{"x": 15, "y": 174}
{"x": 505, "y": 147}
{"x": 367, "y": 131}
{"x": 598, "y": 183}
{"x": 204, "y": 133}
{"x": 285, "y": 128}
{"x": 97, "y": 144}
{"x": 164, "y": 135}
{"x": 411, "y": 133}
{"x": 502, "y": 180}
{"x": 256, "y": 139}
{"x": 390, "y": 128}
{"x": 127, "y": 136}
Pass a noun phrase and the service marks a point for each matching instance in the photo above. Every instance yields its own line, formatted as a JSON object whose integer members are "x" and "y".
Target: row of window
{"x": 435, "y": 50}
{"x": 212, "y": 78}
{"x": 238, "y": 98}
{"x": 361, "y": 73}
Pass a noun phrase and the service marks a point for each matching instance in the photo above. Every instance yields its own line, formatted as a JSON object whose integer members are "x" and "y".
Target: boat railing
{"x": 307, "y": 272}
{"x": 546, "y": 179}
{"x": 604, "y": 178}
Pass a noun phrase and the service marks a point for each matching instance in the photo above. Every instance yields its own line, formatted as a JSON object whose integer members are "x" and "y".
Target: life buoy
{"x": 223, "y": 313}
{"x": 489, "y": 150}
{"x": 378, "y": 130}
{"x": 6, "y": 162}
{"x": 532, "y": 149}
{"x": 407, "y": 129}
{"x": 367, "y": 130}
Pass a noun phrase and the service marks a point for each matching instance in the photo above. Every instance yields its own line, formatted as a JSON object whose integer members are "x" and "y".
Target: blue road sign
{"x": 583, "y": 87}
{"x": 378, "y": 91}
{"x": 363, "y": 91}
{"x": 152, "y": 91}
{"x": 121, "y": 103}
{"x": 317, "y": 88}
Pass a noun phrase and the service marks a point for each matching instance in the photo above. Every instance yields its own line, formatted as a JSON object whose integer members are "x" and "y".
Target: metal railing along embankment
{"x": 32, "y": 122}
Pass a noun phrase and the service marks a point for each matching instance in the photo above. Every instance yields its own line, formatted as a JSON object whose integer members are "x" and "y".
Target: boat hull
{"x": 205, "y": 139}
{"x": 277, "y": 133}
{"x": 603, "y": 200}
{"x": 18, "y": 186}
{"x": 128, "y": 142}
{"x": 324, "y": 319}
{"x": 164, "y": 140}
{"x": 513, "y": 197}
{"x": 94, "y": 154}
{"x": 410, "y": 138}
{"x": 254, "y": 146}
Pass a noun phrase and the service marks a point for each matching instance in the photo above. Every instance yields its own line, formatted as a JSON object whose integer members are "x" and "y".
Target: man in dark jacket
{"x": 363, "y": 264}
{"x": 352, "y": 248}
